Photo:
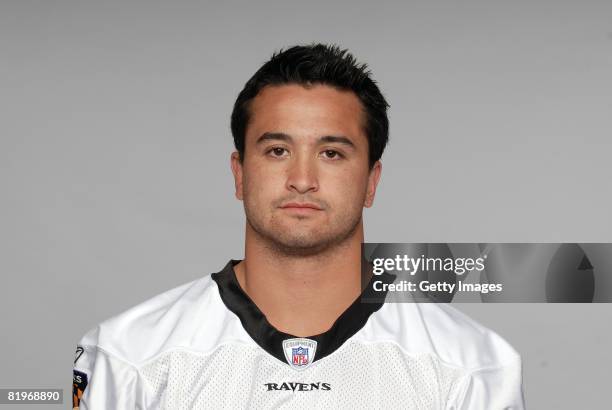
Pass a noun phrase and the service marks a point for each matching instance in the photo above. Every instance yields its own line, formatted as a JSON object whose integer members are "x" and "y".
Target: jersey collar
{"x": 270, "y": 339}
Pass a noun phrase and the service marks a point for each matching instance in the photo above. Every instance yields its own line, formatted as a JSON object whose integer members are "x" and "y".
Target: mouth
{"x": 301, "y": 207}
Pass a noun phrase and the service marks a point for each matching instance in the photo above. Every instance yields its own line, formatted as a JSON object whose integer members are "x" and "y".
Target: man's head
{"x": 309, "y": 129}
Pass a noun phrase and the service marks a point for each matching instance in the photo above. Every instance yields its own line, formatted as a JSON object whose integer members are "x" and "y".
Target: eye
{"x": 277, "y": 152}
{"x": 332, "y": 154}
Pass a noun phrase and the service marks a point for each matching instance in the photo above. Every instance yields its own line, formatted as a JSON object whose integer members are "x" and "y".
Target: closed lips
{"x": 299, "y": 205}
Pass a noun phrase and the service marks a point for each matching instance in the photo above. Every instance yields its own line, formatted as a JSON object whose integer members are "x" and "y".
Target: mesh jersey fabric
{"x": 194, "y": 347}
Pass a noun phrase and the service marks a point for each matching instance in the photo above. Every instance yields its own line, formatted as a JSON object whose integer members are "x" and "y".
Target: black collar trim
{"x": 271, "y": 339}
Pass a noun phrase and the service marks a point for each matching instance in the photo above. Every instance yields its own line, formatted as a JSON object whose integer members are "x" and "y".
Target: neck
{"x": 301, "y": 295}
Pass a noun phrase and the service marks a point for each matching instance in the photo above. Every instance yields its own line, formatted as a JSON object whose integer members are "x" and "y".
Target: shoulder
{"x": 444, "y": 332}
{"x": 463, "y": 341}
{"x": 177, "y": 318}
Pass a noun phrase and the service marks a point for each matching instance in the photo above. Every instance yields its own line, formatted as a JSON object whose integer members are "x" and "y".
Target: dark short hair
{"x": 317, "y": 64}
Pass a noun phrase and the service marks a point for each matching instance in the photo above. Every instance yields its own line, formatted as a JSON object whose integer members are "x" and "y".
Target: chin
{"x": 300, "y": 241}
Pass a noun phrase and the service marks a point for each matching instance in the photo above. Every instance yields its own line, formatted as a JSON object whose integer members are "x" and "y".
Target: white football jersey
{"x": 205, "y": 344}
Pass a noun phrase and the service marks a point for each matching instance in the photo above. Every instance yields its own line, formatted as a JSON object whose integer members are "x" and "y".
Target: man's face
{"x": 305, "y": 175}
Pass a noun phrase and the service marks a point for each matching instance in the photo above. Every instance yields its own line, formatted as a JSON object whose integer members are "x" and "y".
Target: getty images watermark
{"x": 487, "y": 272}
{"x": 405, "y": 264}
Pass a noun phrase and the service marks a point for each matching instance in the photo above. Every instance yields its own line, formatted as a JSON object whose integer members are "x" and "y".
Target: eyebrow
{"x": 281, "y": 136}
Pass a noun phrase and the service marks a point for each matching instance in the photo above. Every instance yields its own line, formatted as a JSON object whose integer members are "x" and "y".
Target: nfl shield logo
{"x": 299, "y": 352}
{"x": 300, "y": 356}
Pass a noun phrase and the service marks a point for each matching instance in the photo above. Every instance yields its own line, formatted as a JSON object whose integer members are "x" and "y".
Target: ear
{"x": 373, "y": 179}
{"x": 237, "y": 171}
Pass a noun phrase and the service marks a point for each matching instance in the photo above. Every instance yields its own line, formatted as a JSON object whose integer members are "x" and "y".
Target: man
{"x": 285, "y": 326}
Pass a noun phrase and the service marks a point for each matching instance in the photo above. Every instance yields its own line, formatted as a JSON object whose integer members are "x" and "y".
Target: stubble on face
{"x": 299, "y": 235}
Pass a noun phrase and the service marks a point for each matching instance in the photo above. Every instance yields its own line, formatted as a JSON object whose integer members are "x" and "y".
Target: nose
{"x": 302, "y": 176}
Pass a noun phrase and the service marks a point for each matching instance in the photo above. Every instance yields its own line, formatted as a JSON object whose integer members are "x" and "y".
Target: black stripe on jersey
{"x": 271, "y": 339}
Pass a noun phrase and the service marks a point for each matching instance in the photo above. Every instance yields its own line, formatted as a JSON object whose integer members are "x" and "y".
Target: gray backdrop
{"x": 115, "y": 149}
